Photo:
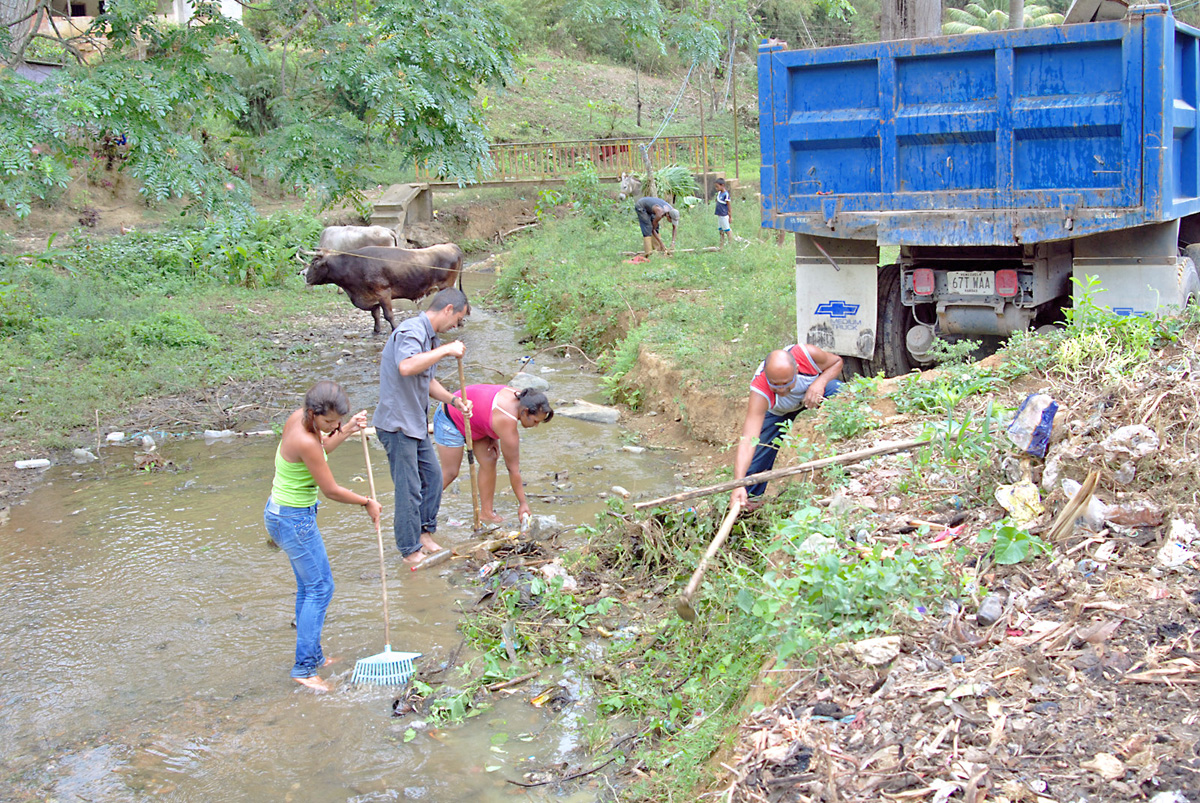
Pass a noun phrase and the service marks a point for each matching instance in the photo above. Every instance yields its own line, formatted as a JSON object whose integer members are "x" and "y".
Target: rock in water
{"x": 586, "y": 411}
{"x": 523, "y": 380}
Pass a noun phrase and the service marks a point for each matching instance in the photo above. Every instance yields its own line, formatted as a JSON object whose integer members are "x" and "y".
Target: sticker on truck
{"x": 836, "y": 309}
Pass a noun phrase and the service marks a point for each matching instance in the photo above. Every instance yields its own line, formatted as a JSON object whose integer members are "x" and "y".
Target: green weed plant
{"x": 956, "y": 379}
{"x": 964, "y": 446}
{"x": 830, "y": 590}
{"x": 1115, "y": 346}
{"x": 849, "y": 412}
{"x": 1010, "y": 544}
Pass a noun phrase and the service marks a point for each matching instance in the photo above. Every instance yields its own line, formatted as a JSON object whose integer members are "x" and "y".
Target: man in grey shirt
{"x": 406, "y": 382}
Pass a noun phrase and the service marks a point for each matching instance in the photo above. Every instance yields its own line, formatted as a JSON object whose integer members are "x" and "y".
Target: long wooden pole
{"x": 733, "y": 70}
{"x": 387, "y": 622}
{"x": 703, "y": 139}
{"x": 766, "y": 476}
{"x": 684, "y": 606}
{"x": 462, "y": 383}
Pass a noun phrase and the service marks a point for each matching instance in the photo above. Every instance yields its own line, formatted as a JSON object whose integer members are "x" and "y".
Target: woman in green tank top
{"x": 309, "y": 434}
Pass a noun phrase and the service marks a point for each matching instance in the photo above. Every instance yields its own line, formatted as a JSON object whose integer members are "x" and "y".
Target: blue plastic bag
{"x": 1030, "y": 428}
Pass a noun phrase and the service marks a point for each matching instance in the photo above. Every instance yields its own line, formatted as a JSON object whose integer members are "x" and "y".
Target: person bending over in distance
{"x": 496, "y": 412}
{"x": 789, "y": 380}
{"x": 301, "y": 467}
{"x": 650, "y": 211}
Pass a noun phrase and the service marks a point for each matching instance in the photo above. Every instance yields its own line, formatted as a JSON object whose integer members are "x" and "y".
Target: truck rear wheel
{"x": 1189, "y": 279}
{"x": 891, "y": 349}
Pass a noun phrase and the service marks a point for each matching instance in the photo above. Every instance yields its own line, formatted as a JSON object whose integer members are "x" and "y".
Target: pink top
{"x": 483, "y": 402}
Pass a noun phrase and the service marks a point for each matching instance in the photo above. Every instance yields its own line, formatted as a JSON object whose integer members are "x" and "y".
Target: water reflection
{"x": 147, "y": 630}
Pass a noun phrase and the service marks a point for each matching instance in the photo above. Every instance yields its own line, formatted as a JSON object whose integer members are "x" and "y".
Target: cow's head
{"x": 317, "y": 271}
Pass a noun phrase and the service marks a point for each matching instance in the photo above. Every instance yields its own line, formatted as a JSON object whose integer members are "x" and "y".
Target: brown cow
{"x": 373, "y": 277}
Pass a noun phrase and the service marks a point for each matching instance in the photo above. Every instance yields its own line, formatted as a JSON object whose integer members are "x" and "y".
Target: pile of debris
{"x": 1071, "y": 677}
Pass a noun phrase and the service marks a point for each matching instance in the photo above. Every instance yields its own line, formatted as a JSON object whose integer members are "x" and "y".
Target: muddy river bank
{"x": 148, "y": 623}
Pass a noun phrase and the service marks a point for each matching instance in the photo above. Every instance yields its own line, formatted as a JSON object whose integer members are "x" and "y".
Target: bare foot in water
{"x": 428, "y": 545}
{"x": 332, "y": 660}
{"x": 414, "y": 558}
{"x": 315, "y": 683}
{"x": 491, "y": 517}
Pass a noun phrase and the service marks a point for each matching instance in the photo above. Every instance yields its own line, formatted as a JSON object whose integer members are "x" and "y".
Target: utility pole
{"x": 911, "y": 19}
{"x": 1016, "y": 13}
{"x": 733, "y": 68}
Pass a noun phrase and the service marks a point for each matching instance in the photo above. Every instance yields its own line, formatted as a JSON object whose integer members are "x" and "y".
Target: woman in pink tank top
{"x": 496, "y": 410}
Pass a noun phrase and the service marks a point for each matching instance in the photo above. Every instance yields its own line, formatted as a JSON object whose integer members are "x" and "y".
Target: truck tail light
{"x": 1006, "y": 283}
{"x": 923, "y": 283}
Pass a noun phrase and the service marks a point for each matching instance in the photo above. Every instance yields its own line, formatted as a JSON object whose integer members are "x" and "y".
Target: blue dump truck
{"x": 1002, "y": 164}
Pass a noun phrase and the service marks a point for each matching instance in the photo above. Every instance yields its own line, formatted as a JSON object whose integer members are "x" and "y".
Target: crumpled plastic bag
{"x": 555, "y": 569}
{"x": 1030, "y": 428}
{"x": 1096, "y": 512}
{"x": 1022, "y": 501}
{"x": 1136, "y": 440}
{"x": 1178, "y": 549}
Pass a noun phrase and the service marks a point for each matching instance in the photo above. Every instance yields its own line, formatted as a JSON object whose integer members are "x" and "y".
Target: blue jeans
{"x": 294, "y": 529}
{"x": 417, "y": 476}
{"x": 767, "y": 449}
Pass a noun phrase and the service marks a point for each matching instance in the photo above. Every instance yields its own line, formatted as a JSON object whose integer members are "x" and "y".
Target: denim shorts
{"x": 445, "y": 433}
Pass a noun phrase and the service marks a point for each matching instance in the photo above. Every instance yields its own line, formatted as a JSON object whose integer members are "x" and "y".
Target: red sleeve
{"x": 759, "y": 385}
{"x": 804, "y": 363}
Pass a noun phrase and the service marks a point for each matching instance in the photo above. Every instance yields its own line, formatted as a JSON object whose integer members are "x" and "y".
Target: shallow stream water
{"x": 146, "y": 624}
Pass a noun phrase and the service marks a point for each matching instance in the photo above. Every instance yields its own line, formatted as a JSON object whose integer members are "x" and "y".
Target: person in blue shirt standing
{"x": 406, "y": 383}
{"x": 722, "y": 213}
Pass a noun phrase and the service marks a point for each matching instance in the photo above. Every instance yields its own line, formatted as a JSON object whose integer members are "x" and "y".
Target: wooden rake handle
{"x": 387, "y": 624}
{"x": 717, "y": 542}
{"x": 462, "y": 383}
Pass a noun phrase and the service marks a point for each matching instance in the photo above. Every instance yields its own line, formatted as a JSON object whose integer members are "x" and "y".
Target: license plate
{"x": 971, "y": 282}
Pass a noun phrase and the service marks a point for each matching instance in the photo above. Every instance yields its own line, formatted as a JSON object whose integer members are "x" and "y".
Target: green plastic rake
{"x": 387, "y": 668}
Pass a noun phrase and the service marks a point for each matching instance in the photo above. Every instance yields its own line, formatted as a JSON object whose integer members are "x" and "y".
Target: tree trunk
{"x": 651, "y": 189}
{"x": 20, "y": 17}
{"x": 637, "y": 88}
{"x": 1016, "y": 13}
{"x": 703, "y": 139}
{"x": 737, "y": 170}
{"x": 910, "y": 19}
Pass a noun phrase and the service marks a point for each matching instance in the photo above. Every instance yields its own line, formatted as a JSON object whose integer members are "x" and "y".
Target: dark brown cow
{"x": 373, "y": 277}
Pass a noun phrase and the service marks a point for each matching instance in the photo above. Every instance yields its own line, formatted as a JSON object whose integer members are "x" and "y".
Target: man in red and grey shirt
{"x": 790, "y": 380}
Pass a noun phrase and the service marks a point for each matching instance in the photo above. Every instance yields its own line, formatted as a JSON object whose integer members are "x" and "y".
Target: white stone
{"x": 115, "y": 437}
{"x": 877, "y": 651}
{"x": 38, "y": 462}
{"x": 586, "y": 411}
{"x": 523, "y": 380}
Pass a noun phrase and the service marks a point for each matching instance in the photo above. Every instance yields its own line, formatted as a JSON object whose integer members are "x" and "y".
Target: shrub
{"x": 171, "y": 330}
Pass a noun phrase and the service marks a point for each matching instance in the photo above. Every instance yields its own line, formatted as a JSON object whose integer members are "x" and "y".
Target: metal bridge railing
{"x": 529, "y": 161}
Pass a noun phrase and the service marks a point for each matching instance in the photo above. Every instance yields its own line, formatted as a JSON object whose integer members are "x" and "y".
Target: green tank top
{"x": 293, "y": 485}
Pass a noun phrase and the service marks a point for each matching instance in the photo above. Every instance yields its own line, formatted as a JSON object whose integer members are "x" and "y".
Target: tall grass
{"x": 102, "y": 325}
{"x": 714, "y": 314}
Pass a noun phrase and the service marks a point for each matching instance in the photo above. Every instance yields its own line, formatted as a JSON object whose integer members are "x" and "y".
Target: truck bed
{"x": 1000, "y": 138}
